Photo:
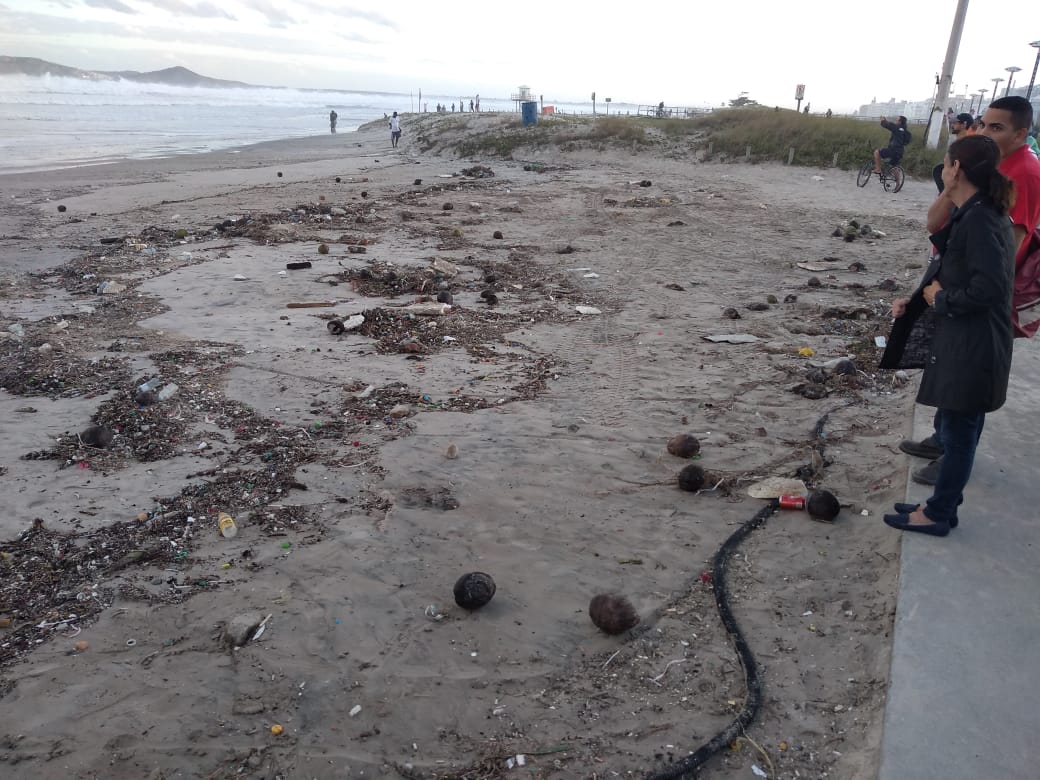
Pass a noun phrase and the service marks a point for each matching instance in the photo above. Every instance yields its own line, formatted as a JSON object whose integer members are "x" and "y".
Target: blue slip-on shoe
{"x": 901, "y": 522}
{"x": 905, "y": 509}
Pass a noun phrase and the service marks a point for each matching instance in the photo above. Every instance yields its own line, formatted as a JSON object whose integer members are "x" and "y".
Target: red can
{"x": 792, "y": 502}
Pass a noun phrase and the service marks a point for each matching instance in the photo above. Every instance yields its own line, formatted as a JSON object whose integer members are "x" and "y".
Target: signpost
{"x": 799, "y": 95}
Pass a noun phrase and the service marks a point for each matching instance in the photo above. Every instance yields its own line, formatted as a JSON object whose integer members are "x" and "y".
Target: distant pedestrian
{"x": 453, "y": 108}
{"x": 426, "y": 108}
{"x": 333, "y": 116}
{"x": 395, "y": 130}
{"x": 478, "y": 102}
{"x": 829, "y": 113}
{"x": 471, "y": 104}
{"x": 462, "y": 106}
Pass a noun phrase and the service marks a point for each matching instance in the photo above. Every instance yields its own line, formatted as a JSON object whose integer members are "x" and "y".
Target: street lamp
{"x": 1012, "y": 70}
{"x": 995, "y": 82}
{"x": 981, "y": 95}
{"x": 1029, "y": 92}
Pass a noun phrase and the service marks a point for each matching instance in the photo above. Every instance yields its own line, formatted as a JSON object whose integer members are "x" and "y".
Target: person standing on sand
{"x": 395, "y": 130}
{"x": 471, "y": 104}
{"x": 966, "y": 295}
{"x": 333, "y": 116}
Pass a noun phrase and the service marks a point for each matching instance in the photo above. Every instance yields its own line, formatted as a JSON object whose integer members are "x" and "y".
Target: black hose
{"x": 687, "y": 767}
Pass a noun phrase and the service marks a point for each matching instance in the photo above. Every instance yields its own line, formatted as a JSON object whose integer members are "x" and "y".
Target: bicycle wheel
{"x": 893, "y": 179}
{"x": 865, "y": 173}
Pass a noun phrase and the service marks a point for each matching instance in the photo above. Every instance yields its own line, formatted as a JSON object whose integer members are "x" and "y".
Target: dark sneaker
{"x": 928, "y": 475}
{"x": 926, "y": 448}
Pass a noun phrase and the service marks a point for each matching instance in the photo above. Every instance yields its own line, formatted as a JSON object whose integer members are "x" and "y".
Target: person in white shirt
{"x": 395, "y": 129}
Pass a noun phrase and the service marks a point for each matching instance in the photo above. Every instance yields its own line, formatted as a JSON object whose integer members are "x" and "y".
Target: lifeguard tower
{"x": 526, "y": 104}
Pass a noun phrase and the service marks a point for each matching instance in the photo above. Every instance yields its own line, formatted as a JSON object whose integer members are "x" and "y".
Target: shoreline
{"x": 355, "y": 519}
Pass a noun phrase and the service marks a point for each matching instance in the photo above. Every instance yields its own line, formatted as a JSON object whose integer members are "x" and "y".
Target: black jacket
{"x": 899, "y": 136}
{"x": 969, "y": 357}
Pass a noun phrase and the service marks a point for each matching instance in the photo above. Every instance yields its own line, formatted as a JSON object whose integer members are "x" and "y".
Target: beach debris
{"x": 448, "y": 207}
{"x": 239, "y": 278}
{"x": 823, "y": 505}
{"x": 838, "y": 365}
{"x": 474, "y": 590}
{"x": 61, "y": 209}
{"x": 478, "y": 172}
{"x": 567, "y": 250}
{"x": 444, "y": 267}
{"x": 417, "y": 182}
{"x": 400, "y": 411}
{"x": 111, "y": 288}
{"x": 452, "y": 452}
{"x": 277, "y": 729}
{"x": 81, "y": 645}
{"x": 518, "y": 760}
{"x": 411, "y": 345}
{"x": 732, "y": 338}
{"x": 771, "y": 299}
{"x": 428, "y": 308}
{"x": 296, "y": 266}
{"x": 730, "y": 313}
{"x": 612, "y": 613}
{"x": 279, "y": 174}
{"x": 444, "y": 297}
{"x": 497, "y": 234}
{"x": 323, "y": 249}
{"x": 587, "y": 310}
{"x": 792, "y": 502}
{"x": 357, "y": 249}
{"x": 226, "y": 525}
{"x": 856, "y": 267}
{"x": 240, "y": 628}
{"x": 337, "y": 327}
{"x": 355, "y": 710}
{"x": 311, "y": 305}
{"x": 691, "y": 478}
{"x": 774, "y": 487}
{"x": 812, "y": 391}
{"x": 888, "y": 285}
{"x": 97, "y": 436}
{"x": 676, "y": 223}
{"x": 684, "y": 445}
{"x": 489, "y": 297}
{"x": 674, "y": 286}
{"x": 790, "y": 298}
{"x": 814, "y": 281}
{"x": 757, "y": 306}
{"x": 880, "y": 341}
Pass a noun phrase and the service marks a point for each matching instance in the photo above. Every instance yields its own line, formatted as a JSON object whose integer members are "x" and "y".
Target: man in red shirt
{"x": 1007, "y": 121}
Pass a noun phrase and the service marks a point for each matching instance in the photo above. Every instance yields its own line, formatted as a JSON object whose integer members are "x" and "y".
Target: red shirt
{"x": 1022, "y": 167}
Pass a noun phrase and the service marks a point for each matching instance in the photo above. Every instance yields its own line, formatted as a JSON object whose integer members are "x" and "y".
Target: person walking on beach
{"x": 471, "y": 104}
{"x": 395, "y": 130}
{"x": 966, "y": 297}
{"x": 333, "y": 116}
{"x": 1007, "y": 121}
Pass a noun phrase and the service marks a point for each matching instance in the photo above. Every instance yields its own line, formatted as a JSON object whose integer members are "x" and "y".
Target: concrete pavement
{"x": 964, "y": 690}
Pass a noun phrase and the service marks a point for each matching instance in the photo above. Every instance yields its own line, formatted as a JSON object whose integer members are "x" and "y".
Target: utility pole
{"x": 946, "y": 78}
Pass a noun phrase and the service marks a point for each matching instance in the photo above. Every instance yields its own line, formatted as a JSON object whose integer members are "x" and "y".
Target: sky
{"x": 686, "y": 54}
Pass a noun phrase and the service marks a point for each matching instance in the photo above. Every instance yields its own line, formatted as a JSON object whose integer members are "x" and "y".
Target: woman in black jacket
{"x": 964, "y": 300}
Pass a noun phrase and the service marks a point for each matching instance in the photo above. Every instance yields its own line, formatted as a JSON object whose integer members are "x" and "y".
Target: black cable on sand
{"x": 687, "y": 767}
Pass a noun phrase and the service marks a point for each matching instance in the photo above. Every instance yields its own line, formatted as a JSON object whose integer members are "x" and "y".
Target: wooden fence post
{"x": 747, "y": 153}
{"x": 834, "y": 162}
{"x": 790, "y": 156}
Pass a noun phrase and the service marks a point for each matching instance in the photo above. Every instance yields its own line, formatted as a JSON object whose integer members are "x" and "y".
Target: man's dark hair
{"x": 1021, "y": 110}
{"x": 902, "y": 121}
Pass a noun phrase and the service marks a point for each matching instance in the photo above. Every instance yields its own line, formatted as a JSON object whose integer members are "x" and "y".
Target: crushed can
{"x": 227, "y": 526}
{"x": 792, "y": 502}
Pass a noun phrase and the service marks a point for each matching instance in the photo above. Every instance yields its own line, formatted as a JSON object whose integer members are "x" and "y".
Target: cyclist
{"x": 898, "y": 139}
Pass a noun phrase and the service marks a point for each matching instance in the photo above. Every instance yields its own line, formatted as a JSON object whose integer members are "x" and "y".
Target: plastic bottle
{"x": 150, "y": 385}
{"x": 169, "y": 391}
{"x": 226, "y": 524}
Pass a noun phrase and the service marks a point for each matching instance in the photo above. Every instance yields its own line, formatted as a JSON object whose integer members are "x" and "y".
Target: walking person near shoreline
{"x": 395, "y": 130}
{"x": 964, "y": 303}
{"x": 333, "y": 116}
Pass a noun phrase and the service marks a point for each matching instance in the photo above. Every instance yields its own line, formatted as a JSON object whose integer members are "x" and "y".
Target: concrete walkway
{"x": 964, "y": 694}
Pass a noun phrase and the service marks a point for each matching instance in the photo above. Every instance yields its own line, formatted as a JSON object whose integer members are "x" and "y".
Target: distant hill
{"x": 178, "y": 76}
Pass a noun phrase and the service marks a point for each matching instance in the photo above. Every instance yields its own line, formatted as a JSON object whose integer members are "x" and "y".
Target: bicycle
{"x": 891, "y": 176}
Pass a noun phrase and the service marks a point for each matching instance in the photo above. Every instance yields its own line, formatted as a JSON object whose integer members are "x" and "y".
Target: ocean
{"x": 53, "y": 122}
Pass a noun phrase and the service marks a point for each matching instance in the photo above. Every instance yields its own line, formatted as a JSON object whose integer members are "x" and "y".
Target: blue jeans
{"x": 959, "y": 434}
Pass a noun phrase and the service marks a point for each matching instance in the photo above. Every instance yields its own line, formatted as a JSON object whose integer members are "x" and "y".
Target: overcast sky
{"x": 685, "y": 53}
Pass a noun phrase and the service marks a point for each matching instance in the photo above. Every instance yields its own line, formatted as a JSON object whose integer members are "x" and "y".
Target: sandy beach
{"x": 511, "y": 434}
